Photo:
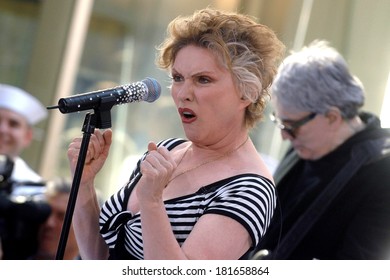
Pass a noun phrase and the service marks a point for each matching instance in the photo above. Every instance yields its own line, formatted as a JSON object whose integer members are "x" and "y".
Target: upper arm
{"x": 217, "y": 237}
{"x": 233, "y": 222}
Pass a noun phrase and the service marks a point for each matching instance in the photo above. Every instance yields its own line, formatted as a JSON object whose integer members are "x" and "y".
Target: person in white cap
{"x": 19, "y": 112}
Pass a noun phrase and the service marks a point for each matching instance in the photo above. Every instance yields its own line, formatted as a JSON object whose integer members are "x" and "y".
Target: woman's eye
{"x": 177, "y": 78}
{"x": 204, "y": 80}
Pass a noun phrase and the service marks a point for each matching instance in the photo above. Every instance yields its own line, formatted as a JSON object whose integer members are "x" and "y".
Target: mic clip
{"x": 103, "y": 112}
{"x": 101, "y": 117}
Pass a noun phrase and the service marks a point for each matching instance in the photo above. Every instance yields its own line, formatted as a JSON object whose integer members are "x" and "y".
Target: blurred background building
{"x": 57, "y": 48}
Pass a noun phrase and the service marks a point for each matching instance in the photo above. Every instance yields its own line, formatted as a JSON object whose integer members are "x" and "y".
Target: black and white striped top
{"x": 250, "y": 199}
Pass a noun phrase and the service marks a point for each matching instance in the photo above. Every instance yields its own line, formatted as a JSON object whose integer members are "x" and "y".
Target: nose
{"x": 286, "y": 135}
{"x": 185, "y": 91}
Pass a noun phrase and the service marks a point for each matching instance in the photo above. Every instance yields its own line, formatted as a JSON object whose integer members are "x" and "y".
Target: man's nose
{"x": 286, "y": 135}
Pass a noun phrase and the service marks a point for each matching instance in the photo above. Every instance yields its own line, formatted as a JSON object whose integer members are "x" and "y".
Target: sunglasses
{"x": 292, "y": 126}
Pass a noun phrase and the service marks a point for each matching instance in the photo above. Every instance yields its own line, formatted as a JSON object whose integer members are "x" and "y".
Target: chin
{"x": 305, "y": 154}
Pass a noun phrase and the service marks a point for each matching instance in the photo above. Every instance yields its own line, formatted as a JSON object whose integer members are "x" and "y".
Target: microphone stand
{"x": 100, "y": 119}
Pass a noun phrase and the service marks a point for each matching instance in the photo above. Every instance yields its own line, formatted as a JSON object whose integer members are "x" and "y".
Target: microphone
{"x": 146, "y": 90}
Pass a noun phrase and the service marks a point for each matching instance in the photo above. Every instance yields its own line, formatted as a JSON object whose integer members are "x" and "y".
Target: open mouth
{"x": 187, "y": 115}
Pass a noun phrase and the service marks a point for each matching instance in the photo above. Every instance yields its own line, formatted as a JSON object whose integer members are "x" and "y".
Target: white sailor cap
{"x": 23, "y": 103}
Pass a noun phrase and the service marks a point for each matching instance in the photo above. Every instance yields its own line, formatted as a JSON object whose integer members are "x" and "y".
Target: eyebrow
{"x": 198, "y": 73}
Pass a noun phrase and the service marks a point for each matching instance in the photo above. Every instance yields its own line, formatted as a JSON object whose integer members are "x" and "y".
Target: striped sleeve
{"x": 250, "y": 200}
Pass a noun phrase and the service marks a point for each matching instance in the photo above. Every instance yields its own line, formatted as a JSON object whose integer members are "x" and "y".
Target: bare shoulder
{"x": 251, "y": 161}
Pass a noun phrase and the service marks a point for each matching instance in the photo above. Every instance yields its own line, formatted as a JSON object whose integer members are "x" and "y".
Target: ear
{"x": 334, "y": 117}
{"x": 245, "y": 103}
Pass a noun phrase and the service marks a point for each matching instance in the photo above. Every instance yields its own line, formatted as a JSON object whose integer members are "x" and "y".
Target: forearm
{"x": 86, "y": 225}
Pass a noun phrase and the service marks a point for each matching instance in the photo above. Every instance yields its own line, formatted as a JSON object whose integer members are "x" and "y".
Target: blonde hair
{"x": 250, "y": 51}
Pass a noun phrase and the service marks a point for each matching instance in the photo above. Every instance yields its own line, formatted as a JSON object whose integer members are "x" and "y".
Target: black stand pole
{"x": 88, "y": 129}
{"x": 100, "y": 119}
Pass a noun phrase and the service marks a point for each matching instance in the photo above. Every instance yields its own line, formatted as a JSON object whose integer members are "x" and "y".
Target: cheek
{"x": 24, "y": 143}
{"x": 177, "y": 94}
{"x": 315, "y": 145}
{"x": 21, "y": 135}
{"x": 173, "y": 93}
{"x": 18, "y": 138}
{"x": 313, "y": 140}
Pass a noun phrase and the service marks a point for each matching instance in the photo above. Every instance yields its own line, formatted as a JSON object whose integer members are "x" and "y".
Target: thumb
{"x": 107, "y": 135}
{"x": 152, "y": 146}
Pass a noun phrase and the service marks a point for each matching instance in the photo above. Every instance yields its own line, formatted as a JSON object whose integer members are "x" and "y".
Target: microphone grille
{"x": 153, "y": 89}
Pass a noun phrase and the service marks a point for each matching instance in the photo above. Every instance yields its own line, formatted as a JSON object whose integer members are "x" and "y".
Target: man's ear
{"x": 334, "y": 116}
